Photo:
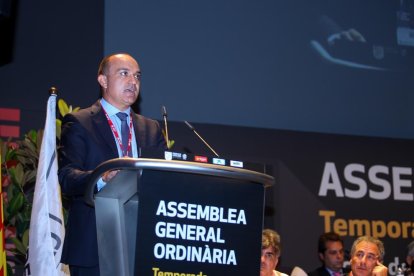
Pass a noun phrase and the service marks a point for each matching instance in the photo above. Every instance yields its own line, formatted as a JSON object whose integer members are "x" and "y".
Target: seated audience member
{"x": 409, "y": 269}
{"x": 271, "y": 250}
{"x": 367, "y": 254}
{"x": 331, "y": 254}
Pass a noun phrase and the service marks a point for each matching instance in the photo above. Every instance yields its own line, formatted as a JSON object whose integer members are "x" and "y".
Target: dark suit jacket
{"x": 86, "y": 142}
{"x": 320, "y": 271}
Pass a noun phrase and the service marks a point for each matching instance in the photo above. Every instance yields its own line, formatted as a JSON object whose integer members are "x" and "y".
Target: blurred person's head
{"x": 270, "y": 252}
{"x": 410, "y": 255}
{"x": 331, "y": 251}
{"x": 366, "y": 253}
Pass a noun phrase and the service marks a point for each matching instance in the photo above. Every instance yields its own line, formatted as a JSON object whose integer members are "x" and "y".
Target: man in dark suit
{"x": 331, "y": 254}
{"x": 106, "y": 130}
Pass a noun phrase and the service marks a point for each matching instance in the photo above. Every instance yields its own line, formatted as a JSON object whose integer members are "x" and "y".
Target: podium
{"x": 168, "y": 217}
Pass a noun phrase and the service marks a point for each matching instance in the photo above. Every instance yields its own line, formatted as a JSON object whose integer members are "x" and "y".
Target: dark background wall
{"x": 55, "y": 44}
{"x": 264, "y": 63}
{"x": 245, "y": 63}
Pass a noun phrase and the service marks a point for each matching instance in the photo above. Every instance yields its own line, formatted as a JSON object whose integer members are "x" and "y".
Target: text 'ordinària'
{"x": 190, "y": 231}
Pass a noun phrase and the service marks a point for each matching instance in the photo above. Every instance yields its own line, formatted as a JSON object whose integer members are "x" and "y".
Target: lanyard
{"x": 116, "y": 134}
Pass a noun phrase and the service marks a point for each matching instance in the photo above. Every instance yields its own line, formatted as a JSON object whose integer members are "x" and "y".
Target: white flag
{"x": 47, "y": 229}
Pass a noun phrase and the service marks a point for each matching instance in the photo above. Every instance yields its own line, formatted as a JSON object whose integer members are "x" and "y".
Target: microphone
{"x": 164, "y": 115}
{"x": 198, "y": 135}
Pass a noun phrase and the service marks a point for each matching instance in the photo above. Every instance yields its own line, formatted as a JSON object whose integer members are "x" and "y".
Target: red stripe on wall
{"x": 10, "y": 114}
{"x": 9, "y": 131}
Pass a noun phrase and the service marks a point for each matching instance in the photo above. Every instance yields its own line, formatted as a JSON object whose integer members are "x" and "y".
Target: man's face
{"x": 333, "y": 257}
{"x": 409, "y": 260}
{"x": 364, "y": 259}
{"x": 268, "y": 261}
{"x": 121, "y": 82}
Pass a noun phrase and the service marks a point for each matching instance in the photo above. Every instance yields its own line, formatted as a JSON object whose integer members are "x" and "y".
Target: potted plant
{"x": 19, "y": 160}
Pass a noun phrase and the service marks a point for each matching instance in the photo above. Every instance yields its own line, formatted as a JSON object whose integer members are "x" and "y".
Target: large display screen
{"x": 327, "y": 66}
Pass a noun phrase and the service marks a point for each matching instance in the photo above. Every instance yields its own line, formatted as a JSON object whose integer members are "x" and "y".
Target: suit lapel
{"x": 101, "y": 125}
{"x": 139, "y": 129}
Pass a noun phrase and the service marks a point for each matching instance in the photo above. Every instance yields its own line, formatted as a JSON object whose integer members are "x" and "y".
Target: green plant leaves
{"x": 17, "y": 174}
{"x": 20, "y": 248}
{"x": 63, "y": 107}
{"x": 15, "y": 204}
{"x": 25, "y": 238}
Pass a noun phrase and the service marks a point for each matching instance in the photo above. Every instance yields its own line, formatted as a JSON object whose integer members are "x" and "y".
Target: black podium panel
{"x": 160, "y": 217}
{"x": 198, "y": 224}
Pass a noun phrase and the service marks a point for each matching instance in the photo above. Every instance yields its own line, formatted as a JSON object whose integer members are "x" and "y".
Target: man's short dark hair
{"x": 328, "y": 236}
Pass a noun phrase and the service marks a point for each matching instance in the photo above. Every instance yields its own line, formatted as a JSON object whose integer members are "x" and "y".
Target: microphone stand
{"x": 205, "y": 143}
{"x": 164, "y": 114}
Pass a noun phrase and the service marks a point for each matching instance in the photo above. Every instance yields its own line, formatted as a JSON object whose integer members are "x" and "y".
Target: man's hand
{"x": 109, "y": 175}
{"x": 380, "y": 270}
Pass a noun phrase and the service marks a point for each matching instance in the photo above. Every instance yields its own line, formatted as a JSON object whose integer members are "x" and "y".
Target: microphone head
{"x": 164, "y": 111}
{"x": 189, "y": 125}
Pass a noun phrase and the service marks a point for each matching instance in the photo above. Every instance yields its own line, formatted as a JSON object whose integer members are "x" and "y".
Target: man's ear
{"x": 103, "y": 81}
{"x": 321, "y": 257}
